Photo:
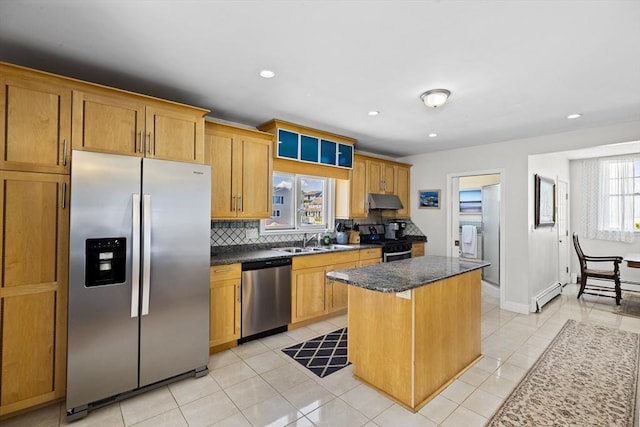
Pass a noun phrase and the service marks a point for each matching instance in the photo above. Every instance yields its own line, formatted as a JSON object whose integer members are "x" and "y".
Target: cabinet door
{"x": 308, "y": 293}
{"x": 220, "y": 156}
{"x": 402, "y": 191}
{"x": 375, "y": 174}
{"x": 33, "y": 288}
{"x": 174, "y": 134}
{"x": 337, "y": 290}
{"x": 365, "y": 262}
{"x": 388, "y": 180}
{"x": 417, "y": 249}
{"x": 358, "y": 185}
{"x": 35, "y": 125}
{"x": 108, "y": 124}
{"x": 224, "y": 323}
{"x": 254, "y": 177}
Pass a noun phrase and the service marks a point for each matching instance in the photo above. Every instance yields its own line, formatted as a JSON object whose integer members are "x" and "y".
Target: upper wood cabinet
{"x": 43, "y": 116}
{"x": 309, "y": 151}
{"x": 241, "y": 171}
{"x": 133, "y": 125}
{"x": 35, "y": 122}
{"x": 351, "y": 194}
{"x": 373, "y": 175}
{"x": 34, "y": 230}
{"x": 380, "y": 177}
{"x": 402, "y": 190}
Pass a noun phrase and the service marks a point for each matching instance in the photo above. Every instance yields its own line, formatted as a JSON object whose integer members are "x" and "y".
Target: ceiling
{"x": 515, "y": 69}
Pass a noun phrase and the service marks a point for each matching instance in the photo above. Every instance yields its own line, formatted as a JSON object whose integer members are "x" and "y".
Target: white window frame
{"x": 608, "y": 186}
{"x": 299, "y": 228}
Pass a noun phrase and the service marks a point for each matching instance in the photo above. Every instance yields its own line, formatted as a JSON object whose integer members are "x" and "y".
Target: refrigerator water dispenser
{"x": 105, "y": 261}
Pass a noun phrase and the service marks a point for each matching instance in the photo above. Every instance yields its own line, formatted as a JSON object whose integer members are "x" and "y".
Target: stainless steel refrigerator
{"x": 138, "y": 276}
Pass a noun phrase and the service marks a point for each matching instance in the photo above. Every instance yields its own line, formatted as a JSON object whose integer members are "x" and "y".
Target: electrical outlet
{"x": 404, "y": 294}
{"x": 251, "y": 233}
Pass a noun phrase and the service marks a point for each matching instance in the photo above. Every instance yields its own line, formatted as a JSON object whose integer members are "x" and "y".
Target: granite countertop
{"x": 406, "y": 274}
{"x": 267, "y": 254}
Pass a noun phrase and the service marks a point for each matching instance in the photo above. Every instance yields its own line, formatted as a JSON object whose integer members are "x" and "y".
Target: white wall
{"x": 596, "y": 247}
{"x": 543, "y": 241}
{"x": 430, "y": 172}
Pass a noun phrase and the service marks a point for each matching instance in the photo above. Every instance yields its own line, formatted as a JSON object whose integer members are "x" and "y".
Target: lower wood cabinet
{"x": 309, "y": 294}
{"x": 34, "y": 236}
{"x": 338, "y": 294}
{"x": 224, "y": 316}
{"x": 370, "y": 256}
{"x": 312, "y": 293}
{"x": 417, "y": 249}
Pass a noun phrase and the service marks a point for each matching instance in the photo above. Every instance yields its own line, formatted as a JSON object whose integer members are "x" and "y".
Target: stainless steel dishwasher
{"x": 266, "y": 297}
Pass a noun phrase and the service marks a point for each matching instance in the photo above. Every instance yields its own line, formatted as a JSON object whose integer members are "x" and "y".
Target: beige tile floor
{"x": 255, "y": 384}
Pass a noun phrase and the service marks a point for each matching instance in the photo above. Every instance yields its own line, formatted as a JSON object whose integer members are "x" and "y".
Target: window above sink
{"x": 300, "y": 203}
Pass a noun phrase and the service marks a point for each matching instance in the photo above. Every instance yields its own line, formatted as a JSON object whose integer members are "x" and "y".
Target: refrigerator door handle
{"x": 146, "y": 252}
{"x": 135, "y": 256}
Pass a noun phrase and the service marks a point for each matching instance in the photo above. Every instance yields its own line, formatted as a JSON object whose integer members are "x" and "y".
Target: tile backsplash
{"x": 229, "y": 234}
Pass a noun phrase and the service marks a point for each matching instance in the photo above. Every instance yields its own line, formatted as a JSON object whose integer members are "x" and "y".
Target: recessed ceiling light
{"x": 267, "y": 74}
{"x": 433, "y": 135}
{"x": 574, "y": 116}
{"x": 373, "y": 113}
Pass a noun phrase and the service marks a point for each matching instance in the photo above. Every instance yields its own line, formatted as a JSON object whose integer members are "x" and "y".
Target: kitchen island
{"x": 414, "y": 325}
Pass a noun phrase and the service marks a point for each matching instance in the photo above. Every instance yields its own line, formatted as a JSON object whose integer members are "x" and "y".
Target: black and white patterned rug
{"x": 322, "y": 355}
{"x": 587, "y": 376}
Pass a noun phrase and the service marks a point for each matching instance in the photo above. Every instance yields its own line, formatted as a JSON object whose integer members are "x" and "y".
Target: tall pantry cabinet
{"x": 35, "y": 130}
{"x": 42, "y": 116}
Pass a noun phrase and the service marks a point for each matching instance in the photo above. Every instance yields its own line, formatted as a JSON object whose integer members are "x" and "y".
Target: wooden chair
{"x": 612, "y": 274}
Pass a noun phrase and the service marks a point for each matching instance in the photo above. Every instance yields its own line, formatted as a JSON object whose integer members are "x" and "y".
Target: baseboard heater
{"x": 545, "y": 296}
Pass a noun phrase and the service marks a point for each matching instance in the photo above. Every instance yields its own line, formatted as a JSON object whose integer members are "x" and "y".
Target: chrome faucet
{"x": 305, "y": 241}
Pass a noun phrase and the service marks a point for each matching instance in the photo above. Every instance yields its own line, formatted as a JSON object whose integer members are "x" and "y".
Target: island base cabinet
{"x": 437, "y": 326}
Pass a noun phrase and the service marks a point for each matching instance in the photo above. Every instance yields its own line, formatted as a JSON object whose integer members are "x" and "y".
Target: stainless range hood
{"x": 384, "y": 201}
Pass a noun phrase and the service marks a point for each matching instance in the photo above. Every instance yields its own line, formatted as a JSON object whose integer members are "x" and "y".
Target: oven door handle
{"x": 397, "y": 254}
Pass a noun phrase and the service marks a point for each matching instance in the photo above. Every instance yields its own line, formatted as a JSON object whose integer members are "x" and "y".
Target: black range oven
{"x": 392, "y": 249}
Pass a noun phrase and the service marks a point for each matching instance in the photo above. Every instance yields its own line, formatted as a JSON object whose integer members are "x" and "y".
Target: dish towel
{"x": 469, "y": 241}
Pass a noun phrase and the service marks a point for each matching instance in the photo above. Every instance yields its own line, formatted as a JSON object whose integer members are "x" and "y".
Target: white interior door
{"x": 563, "y": 231}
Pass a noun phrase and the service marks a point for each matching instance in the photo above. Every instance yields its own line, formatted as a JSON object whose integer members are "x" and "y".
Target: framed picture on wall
{"x": 545, "y": 202}
{"x": 429, "y": 199}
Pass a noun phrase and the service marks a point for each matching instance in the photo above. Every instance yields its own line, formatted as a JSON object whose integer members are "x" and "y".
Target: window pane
{"x": 283, "y": 203}
{"x": 345, "y": 155}
{"x": 308, "y": 148}
{"x": 312, "y": 197}
{"x": 328, "y": 151}
{"x": 287, "y": 144}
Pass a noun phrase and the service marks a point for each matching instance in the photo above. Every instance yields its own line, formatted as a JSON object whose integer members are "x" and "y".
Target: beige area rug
{"x": 629, "y": 306}
{"x": 587, "y": 376}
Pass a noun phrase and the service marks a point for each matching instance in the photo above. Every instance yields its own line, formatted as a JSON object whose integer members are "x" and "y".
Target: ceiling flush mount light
{"x": 435, "y": 98}
{"x": 433, "y": 135}
{"x": 267, "y": 74}
{"x": 373, "y": 113}
{"x": 574, "y": 116}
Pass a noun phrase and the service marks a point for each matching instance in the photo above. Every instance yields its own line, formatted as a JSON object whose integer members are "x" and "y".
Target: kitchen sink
{"x": 297, "y": 250}
{"x": 308, "y": 249}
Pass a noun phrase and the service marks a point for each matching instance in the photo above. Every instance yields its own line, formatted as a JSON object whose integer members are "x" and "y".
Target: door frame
{"x": 452, "y": 215}
{"x": 566, "y": 253}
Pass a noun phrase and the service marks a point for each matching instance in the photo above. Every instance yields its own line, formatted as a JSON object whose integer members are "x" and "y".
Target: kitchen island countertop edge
{"x": 407, "y": 274}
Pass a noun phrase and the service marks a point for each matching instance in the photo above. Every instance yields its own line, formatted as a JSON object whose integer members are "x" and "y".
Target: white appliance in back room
{"x": 138, "y": 276}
